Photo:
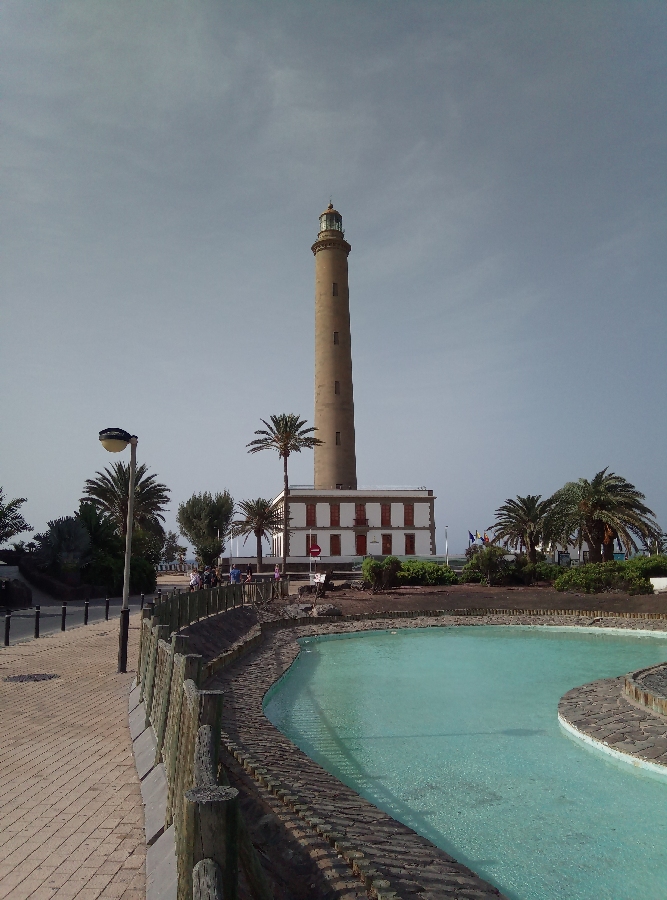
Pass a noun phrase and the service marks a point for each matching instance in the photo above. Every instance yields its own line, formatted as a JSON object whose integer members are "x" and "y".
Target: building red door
{"x": 386, "y": 545}
{"x": 334, "y": 545}
{"x": 361, "y": 544}
{"x": 409, "y": 545}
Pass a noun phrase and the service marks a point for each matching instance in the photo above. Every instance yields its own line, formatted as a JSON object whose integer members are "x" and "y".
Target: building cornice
{"x": 331, "y": 243}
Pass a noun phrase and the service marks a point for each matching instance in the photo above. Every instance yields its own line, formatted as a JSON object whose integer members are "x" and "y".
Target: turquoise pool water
{"x": 454, "y": 732}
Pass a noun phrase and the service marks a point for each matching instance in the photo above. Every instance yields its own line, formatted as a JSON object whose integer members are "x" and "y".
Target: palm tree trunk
{"x": 532, "y": 551}
{"x": 285, "y": 515}
{"x": 259, "y": 551}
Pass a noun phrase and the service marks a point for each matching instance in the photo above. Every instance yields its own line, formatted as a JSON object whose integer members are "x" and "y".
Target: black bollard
{"x": 8, "y": 625}
{"x": 143, "y": 597}
{"x": 86, "y": 606}
{"x": 106, "y": 609}
{"x": 122, "y": 639}
{"x": 37, "y": 613}
{"x": 63, "y": 616}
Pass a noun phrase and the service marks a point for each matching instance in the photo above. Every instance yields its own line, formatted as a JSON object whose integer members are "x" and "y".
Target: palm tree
{"x": 110, "y": 491}
{"x": 603, "y": 510}
{"x": 259, "y": 517}
{"x": 522, "y": 522}
{"x": 11, "y": 520}
{"x": 285, "y": 434}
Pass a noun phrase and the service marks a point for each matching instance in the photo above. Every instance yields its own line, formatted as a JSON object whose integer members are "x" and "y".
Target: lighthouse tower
{"x": 341, "y": 521}
{"x": 335, "y": 459}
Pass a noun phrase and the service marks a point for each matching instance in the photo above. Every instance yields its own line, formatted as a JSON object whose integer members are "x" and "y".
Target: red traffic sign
{"x": 315, "y": 550}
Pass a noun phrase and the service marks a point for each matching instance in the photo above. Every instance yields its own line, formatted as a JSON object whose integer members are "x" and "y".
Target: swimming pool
{"x": 454, "y": 732}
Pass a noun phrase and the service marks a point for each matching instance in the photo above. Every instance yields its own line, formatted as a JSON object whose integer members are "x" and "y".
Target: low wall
{"x": 637, "y": 687}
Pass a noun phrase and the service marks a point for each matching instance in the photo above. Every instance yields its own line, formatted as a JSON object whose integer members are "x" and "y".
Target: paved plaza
{"x": 71, "y": 814}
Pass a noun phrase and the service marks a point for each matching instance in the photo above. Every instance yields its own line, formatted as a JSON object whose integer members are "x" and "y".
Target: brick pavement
{"x": 601, "y": 711}
{"x": 71, "y": 814}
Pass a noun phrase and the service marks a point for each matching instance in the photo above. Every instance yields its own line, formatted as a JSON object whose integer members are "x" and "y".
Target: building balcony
{"x": 360, "y": 523}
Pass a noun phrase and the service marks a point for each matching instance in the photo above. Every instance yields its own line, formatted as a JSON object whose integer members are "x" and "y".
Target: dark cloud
{"x": 499, "y": 168}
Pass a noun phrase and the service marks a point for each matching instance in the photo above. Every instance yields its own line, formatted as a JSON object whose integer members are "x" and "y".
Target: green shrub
{"x": 423, "y": 572}
{"x": 143, "y": 578}
{"x": 391, "y": 572}
{"x": 488, "y": 565}
{"x": 648, "y": 566}
{"x": 595, "y": 578}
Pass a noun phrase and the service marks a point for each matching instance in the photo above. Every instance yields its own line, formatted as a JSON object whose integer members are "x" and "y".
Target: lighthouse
{"x": 335, "y": 458}
{"x": 340, "y": 520}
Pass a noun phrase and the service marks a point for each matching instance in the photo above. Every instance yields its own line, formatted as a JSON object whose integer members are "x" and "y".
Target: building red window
{"x": 311, "y": 515}
{"x": 360, "y": 515}
{"x": 334, "y": 545}
{"x": 310, "y": 540}
{"x": 334, "y": 515}
{"x": 409, "y": 545}
{"x": 386, "y": 545}
{"x": 360, "y": 544}
{"x": 385, "y": 515}
{"x": 408, "y": 515}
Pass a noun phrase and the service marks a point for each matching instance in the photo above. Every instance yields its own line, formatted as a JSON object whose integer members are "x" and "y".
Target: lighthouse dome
{"x": 331, "y": 220}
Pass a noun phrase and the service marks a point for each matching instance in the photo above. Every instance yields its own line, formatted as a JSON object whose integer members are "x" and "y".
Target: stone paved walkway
{"x": 71, "y": 814}
{"x": 601, "y": 711}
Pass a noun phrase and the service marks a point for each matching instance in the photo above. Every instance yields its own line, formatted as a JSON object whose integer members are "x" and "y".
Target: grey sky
{"x": 500, "y": 168}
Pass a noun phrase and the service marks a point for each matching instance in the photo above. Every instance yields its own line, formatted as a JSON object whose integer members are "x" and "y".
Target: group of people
{"x": 211, "y": 577}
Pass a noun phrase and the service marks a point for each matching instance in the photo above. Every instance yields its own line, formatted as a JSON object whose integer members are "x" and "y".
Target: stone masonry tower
{"x": 335, "y": 459}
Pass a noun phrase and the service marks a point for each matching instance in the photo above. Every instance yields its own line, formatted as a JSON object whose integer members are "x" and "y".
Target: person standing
{"x": 195, "y": 581}
{"x": 234, "y": 574}
{"x": 207, "y": 578}
{"x": 248, "y": 574}
{"x": 276, "y": 572}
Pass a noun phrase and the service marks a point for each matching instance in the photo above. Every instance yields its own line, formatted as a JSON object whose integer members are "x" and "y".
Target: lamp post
{"x": 116, "y": 440}
{"x": 446, "y": 547}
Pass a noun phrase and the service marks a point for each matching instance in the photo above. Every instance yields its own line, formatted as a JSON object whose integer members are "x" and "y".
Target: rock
{"x": 297, "y": 610}
{"x": 345, "y": 586}
{"x": 326, "y": 609}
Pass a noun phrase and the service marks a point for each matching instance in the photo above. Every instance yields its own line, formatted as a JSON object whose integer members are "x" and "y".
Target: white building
{"x": 350, "y": 524}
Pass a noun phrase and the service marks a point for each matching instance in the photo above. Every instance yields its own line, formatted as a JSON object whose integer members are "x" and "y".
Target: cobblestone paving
{"x": 601, "y": 711}
{"x": 655, "y": 681}
{"x": 71, "y": 814}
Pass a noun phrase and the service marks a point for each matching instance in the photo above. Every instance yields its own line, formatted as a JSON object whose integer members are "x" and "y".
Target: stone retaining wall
{"x": 638, "y": 687}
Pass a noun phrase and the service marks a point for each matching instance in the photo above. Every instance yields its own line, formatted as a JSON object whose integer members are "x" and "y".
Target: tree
{"x": 110, "y": 492}
{"x": 259, "y": 517}
{"x": 11, "y": 520}
{"x": 204, "y": 521}
{"x": 65, "y": 547}
{"x": 521, "y": 522}
{"x": 601, "y": 511}
{"x": 172, "y": 550}
{"x": 285, "y": 434}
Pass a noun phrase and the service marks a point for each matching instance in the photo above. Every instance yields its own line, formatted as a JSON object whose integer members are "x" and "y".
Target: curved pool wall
{"x": 454, "y": 731}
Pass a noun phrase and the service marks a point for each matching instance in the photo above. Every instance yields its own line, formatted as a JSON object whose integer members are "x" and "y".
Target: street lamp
{"x": 115, "y": 440}
{"x": 446, "y": 547}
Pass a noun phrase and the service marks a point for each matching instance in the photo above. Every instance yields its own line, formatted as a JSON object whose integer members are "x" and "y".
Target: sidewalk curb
{"x": 161, "y": 877}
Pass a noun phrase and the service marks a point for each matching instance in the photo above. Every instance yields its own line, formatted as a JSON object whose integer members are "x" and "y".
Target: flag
{"x": 478, "y": 536}
{"x": 471, "y": 536}
{"x": 486, "y": 538}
